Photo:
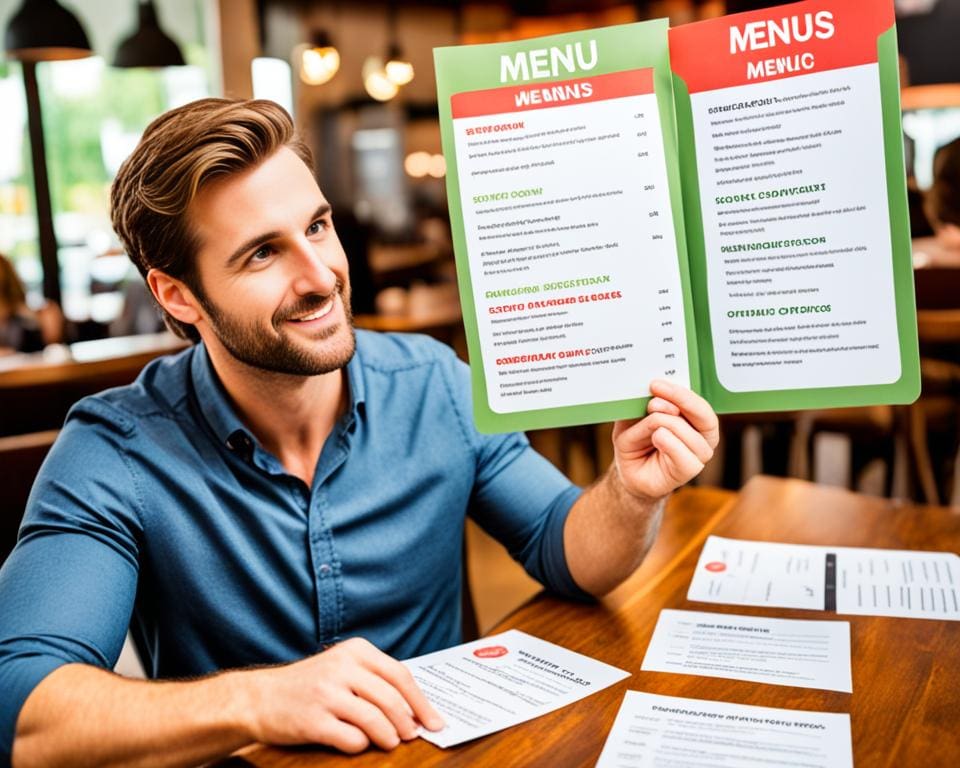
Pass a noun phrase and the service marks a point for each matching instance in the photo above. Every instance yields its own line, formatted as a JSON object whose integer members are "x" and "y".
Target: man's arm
{"x": 347, "y": 697}
{"x": 66, "y": 595}
{"x": 613, "y": 524}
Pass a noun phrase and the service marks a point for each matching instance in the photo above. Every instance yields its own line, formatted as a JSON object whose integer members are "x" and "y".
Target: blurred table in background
{"x": 37, "y": 390}
{"x": 444, "y": 322}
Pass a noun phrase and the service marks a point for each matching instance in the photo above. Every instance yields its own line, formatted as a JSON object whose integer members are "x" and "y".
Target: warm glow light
{"x": 417, "y": 164}
{"x": 318, "y": 65}
{"x": 378, "y": 85}
{"x": 399, "y": 71}
{"x": 438, "y": 166}
{"x": 376, "y": 82}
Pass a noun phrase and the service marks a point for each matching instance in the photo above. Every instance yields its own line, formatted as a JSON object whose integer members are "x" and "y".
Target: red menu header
{"x": 558, "y": 93}
{"x": 775, "y": 43}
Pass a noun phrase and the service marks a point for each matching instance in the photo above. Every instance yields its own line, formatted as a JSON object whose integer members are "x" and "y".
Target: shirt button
{"x": 324, "y": 569}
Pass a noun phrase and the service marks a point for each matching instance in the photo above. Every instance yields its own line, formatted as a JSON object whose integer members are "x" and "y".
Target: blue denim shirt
{"x": 157, "y": 509}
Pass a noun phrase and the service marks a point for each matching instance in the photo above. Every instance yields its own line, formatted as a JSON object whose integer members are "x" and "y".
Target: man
{"x": 281, "y": 488}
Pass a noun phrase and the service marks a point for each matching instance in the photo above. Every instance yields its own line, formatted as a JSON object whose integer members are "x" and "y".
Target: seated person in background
{"x": 22, "y": 329}
{"x": 286, "y": 492}
{"x": 140, "y": 313}
{"x": 942, "y": 206}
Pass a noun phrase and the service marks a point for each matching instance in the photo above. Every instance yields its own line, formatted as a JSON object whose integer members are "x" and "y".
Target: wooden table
{"x": 905, "y": 709}
{"x": 100, "y": 359}
{"x": 37, "y": 390}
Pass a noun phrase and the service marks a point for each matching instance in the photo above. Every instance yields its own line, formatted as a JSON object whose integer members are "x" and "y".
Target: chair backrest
{"x": 20, "y": 459}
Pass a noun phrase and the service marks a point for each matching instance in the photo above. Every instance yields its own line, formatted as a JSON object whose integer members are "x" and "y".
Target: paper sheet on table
{"x": 805, "y": 654}
{"x": 495, "y": 682}
{"x": 876, "y": 582}
{"x": 652, "y": 730}
{"x": 890, "y": 582}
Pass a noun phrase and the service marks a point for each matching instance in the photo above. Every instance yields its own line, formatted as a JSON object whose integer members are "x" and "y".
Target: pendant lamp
{"x": 43, "y": 30}
{"x": 149, "y": 45}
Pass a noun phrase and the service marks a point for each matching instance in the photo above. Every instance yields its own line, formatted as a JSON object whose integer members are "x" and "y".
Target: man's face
{"x": 273, "y": 276}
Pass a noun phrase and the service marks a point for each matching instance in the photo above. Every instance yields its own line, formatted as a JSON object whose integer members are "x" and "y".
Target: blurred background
{"x": 358, "y": 79}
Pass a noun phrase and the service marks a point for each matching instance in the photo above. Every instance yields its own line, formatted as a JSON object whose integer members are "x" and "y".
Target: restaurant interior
{"x": 358, "y": 79}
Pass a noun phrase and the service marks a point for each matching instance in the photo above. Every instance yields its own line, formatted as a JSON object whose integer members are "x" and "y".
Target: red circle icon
{"x": 716, "y": 567}
{"x": 490, "y": 652}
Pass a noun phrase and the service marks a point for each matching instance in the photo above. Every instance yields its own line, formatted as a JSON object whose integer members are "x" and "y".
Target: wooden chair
{"x": 20, "y": 459}
{"x": 876, "y": 432}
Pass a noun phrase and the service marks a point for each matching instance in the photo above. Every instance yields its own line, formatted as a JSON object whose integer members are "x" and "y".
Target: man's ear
{"x": 175, "y": 297}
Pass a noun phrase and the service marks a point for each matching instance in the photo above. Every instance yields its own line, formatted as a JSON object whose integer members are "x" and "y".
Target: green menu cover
{"x": 721, "y": 204}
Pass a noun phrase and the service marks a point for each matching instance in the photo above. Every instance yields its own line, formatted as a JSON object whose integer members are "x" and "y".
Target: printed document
{"x": 852, "y": 580}
{"x": 652, "y": 730}
{"x": 806, "y": 654}
{"x": 495, "y": 682}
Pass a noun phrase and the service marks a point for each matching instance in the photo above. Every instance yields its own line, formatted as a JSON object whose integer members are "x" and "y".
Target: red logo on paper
{"x": 716, "y": 567}
{"x": 490, "y": 652}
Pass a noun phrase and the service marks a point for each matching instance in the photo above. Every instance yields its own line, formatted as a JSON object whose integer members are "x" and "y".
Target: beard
{"x": 272, "y": 349}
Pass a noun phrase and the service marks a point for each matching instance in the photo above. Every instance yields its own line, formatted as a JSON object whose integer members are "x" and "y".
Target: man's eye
{"x": 261, "y": 254}
{"x": 318, "y": 226}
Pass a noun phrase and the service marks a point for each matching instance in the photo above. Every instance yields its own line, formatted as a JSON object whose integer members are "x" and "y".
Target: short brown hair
{"x": 180, "y": 152}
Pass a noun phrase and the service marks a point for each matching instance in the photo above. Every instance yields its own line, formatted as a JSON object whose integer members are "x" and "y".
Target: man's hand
{"x": 669, "y": 446}
{"x": 347, "y": 697}
{"x": 613, "y": 524}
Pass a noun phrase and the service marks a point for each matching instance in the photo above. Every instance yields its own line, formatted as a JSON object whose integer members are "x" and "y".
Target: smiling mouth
{"x": 325, "y": 310}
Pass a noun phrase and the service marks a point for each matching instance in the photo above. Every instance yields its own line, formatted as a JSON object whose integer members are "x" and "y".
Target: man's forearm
{"x": 608, "y": 532}
{"x": 81, "y": 715}
{"x": 349, "y": 697}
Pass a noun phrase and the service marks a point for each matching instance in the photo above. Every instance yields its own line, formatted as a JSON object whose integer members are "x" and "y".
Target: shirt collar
{"x": 223, "y": 420}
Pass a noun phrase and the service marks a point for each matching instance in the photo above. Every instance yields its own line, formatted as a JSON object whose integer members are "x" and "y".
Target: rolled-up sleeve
{"x": 519, "y": 497}
{"x": 67, "y": 589}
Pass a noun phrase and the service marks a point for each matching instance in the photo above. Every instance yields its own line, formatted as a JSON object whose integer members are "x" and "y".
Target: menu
{"x": 496, "y": 682}
{"x": 652, "y": 731}
{"x": 806, "y": 654}
{"x": 848, "y": 580}
{"x": 720, "y": 204}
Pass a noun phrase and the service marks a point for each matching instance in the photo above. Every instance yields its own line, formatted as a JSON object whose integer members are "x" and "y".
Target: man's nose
{"x": 312, "y": 273}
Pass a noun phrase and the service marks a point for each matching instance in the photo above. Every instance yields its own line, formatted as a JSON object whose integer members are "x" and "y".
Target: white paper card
{"x": 496, "y": 682}
{"x": 891, "y": 582}
{"x": 874, "y": 582}
{"x": 652, "y": 730}
{"x": 805, "y": 654}
{"x": 759, "y": 573}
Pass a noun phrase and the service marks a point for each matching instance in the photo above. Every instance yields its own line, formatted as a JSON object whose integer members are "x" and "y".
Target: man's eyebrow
{"x": 253, "y": 242}
{"x": 322, "y": 210}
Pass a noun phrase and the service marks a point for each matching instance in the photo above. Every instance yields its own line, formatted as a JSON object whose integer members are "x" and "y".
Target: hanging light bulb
{"x": 398, "y": 69}
{"x": 318, "y": 60}
{"x": 417, "y": 164}
{"x": 376, "y": 82}
{"x": 438, "y": 166}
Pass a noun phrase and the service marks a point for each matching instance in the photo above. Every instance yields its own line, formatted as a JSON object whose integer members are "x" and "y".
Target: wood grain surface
{"x": 905, "y": 708}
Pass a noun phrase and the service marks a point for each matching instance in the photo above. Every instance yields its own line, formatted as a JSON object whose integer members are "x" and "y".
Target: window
{"x": 93, "y": 116}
